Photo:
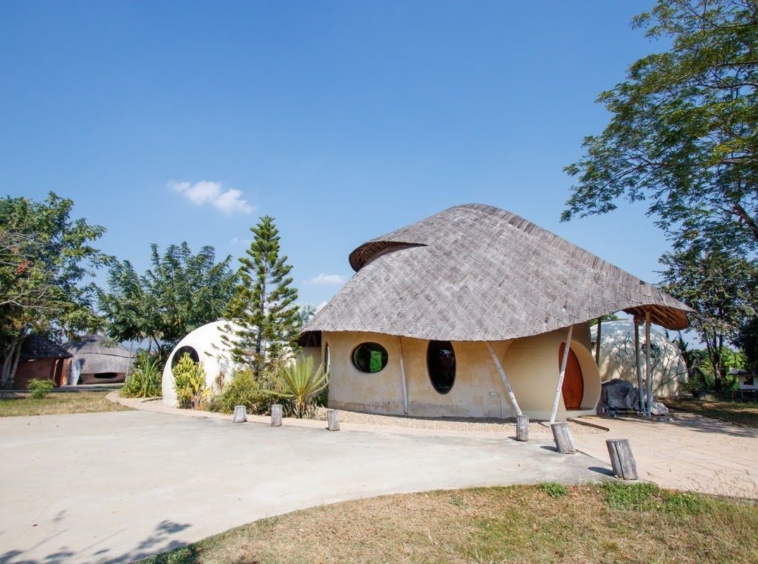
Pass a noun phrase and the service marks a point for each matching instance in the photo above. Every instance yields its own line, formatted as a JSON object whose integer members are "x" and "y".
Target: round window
{"x": 370, "y": 357}
{"x": 181, "y": 351}
{"x": 440, "y": 363}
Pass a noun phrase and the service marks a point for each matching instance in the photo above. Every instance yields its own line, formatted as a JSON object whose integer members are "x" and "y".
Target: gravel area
{"x": 507, "y": 426}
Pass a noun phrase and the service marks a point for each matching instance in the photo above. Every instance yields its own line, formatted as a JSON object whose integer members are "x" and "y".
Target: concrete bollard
{"x": 333, "y": 419}
{"x": 276, "y": 415}
{"x": 522, "y": 428}
{"x": 240, "y": 414}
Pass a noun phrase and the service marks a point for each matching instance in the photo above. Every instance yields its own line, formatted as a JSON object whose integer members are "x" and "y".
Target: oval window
{"x": 370, "y": 357}
{"x": 440, "y": 363}
{"x": 180, "y": 352}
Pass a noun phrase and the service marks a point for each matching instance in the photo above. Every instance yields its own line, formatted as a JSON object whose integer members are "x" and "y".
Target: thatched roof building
{"x": 97, "y": 360}
{"x": 41, "y": 359}
{"x": 454, "y": 313}
{"x": 479, "y": 273}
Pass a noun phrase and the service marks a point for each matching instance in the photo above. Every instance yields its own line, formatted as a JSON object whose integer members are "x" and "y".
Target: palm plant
{"x": 300, "y": 384}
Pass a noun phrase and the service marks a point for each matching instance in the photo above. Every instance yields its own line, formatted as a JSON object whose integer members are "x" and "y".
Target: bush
{"x": 300, "y": 384}
{"x": 243, "y": 389}
{"x": 38, "y": 389}
{"x": 189, "y": 383}
{"x": 145, "y": 380}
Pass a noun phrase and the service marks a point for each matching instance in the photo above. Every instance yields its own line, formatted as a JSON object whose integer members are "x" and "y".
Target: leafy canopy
{"x": 683, "y": 134}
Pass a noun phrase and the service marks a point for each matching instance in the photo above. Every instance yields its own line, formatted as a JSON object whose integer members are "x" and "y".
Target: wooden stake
{"x": 240, "y": 414}
{"x": 333, "y": 419}
{"x": 403, "y": 381}
{"x": 648, "y": 375}
{"x": 563, "y": 439}
{"x": 522, "y": 428}
{"x": 504, "y": 378}
{"x": 597, "y": 343}
{"x": 622, "y": 459}
{"x": 637, "y": 362}
{"x": 276, "y": 415}
{"x": 561, "y": 374}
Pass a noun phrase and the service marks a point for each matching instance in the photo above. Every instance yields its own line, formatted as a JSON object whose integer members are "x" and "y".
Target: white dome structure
{"x": 617, "y": 359}
{"x": 204, "y": 345}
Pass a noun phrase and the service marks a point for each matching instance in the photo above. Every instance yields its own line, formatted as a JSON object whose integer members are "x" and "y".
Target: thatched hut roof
{"x": 99, "y": 355}
{"x": 479, "y": 273}
{"x": 35, "y": 347}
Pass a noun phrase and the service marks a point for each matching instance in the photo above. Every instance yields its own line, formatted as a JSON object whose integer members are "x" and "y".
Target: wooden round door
{"x": 573, "y": 381}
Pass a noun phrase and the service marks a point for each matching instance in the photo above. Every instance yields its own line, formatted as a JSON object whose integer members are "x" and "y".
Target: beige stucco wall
{"x": 531, "y": 365}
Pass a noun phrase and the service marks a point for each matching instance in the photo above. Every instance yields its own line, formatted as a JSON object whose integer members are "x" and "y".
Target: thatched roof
{"x": 479, "y": 273}
{"x": 35, "y": 347}
{"x": 99, "y": 355}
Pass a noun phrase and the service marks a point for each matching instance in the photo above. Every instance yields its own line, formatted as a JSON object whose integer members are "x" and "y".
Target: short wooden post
{"x": 240, "y": 414}
{"x": 333, "y": 419}
{"x": 276, "y": 415}
{"x": 522, "y": 428}
{"x": 563, "y": 439}
{"x": 622, "y": 459}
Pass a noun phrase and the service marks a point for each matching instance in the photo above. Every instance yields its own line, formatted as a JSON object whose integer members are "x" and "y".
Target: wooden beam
{"x": 561, "y": 375}
{"x": 504, "y": 378}
{"x": 597, "y": 343}
{"x": 637, "y": 364}
{"x": 403, "y": 381}
{"x": 648, "y": 374}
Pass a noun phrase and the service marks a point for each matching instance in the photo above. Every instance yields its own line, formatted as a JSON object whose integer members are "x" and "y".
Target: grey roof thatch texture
{"x": 479, "y": 273}
{"x": 35, "y": 347}
{"x": 99, "y": 355}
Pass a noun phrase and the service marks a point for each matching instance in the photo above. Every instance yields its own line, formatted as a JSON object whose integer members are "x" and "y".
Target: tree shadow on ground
{"x": 159, "y": 541}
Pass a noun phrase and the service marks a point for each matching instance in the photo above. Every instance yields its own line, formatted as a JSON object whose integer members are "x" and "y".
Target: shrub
{"x": 243, "y": 389}
{"x": 145, "y": 380}
{"x": 189, "y": 383}
{"x": 38, "y": 389}
{"x": 299, "y": 384}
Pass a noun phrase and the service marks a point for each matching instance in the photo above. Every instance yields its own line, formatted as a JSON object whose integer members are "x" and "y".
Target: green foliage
{"x": 300, "y": 384}
{"x": 649, "y": 497}
{"x": 45, "y": 262}
{"x": 243, "y": 389}
{"x": 189, "y": 383}
{"x": 721, "y": 287}
{"x": 179, "y": 293}
{"x": 747, "y": 340}
{"x": 554, "y": 490}
{"x": 145, "y": 379}
{"x": 683, "y": 133}
{"x": 38, "y": 389}
{"x": 263, "y": 306}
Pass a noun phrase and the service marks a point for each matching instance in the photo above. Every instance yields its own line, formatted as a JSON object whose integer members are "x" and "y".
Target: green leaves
{"x": 299, "y": 383}
{"x": 683, "y": 133}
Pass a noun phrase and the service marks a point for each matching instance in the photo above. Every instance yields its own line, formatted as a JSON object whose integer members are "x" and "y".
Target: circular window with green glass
{"x": 370, "y": 357}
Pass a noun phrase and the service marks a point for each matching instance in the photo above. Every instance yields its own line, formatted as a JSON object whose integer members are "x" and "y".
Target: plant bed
{"x": 56, "y": 403}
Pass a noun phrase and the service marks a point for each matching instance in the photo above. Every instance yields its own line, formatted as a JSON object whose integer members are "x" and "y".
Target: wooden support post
{"x": 597, "y": 343}
{"x": 276, "y": 415}
{"x": 648, "y": 372}
{"x": 504, "y": 378}
{"x": 403, "y": 381}
{"x": 561, "y": 375}
{"x": 563, "y": 439}
{"x": 240, "y": 414}
{"x": 333, "y": 419}
{"x": 622, "y": 459}
{"x": 640, "y": 388}
{"x": 522, "y": 428}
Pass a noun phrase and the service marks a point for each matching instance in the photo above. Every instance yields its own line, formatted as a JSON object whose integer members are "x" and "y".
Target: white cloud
{"x": 238, "y": 241}
{"x": 325, "y": 280}
{"x": 211, "y": 193}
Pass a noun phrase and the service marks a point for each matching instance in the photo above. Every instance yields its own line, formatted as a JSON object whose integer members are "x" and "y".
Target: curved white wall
{"x": 213, "y": 354}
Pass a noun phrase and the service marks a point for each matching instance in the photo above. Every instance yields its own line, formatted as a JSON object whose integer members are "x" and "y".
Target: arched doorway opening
{"x": 573, "y": 380}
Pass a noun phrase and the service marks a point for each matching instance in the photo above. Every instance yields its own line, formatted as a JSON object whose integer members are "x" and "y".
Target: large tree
{"x": 180, "y": 292}
{"x": 683, "y": 134}
{"x": 722, "y": 288}
{"x": 263, "y": 307}
{"x": 46, "y": 261}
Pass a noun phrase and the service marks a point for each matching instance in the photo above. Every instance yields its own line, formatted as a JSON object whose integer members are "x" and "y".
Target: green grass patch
{"x": 612, "y": 522}
{"x": 742, "y": 412}
{"x": 56, "y": 403}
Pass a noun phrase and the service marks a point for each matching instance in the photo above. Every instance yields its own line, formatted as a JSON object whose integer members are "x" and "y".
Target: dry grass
{"x": 548, "y": 523}
{"x": 56, "y": 403}
{"x": 742, "y": 412}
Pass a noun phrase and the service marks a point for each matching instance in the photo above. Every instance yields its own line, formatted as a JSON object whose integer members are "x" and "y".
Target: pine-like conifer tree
{"x": 263, "y": 307}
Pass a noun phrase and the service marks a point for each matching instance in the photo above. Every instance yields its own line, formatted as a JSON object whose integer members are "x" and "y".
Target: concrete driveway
{"x": 116, "y": 487}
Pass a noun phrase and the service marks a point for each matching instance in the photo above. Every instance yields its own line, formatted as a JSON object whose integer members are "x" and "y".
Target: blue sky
{"x": 174, "y": 121}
